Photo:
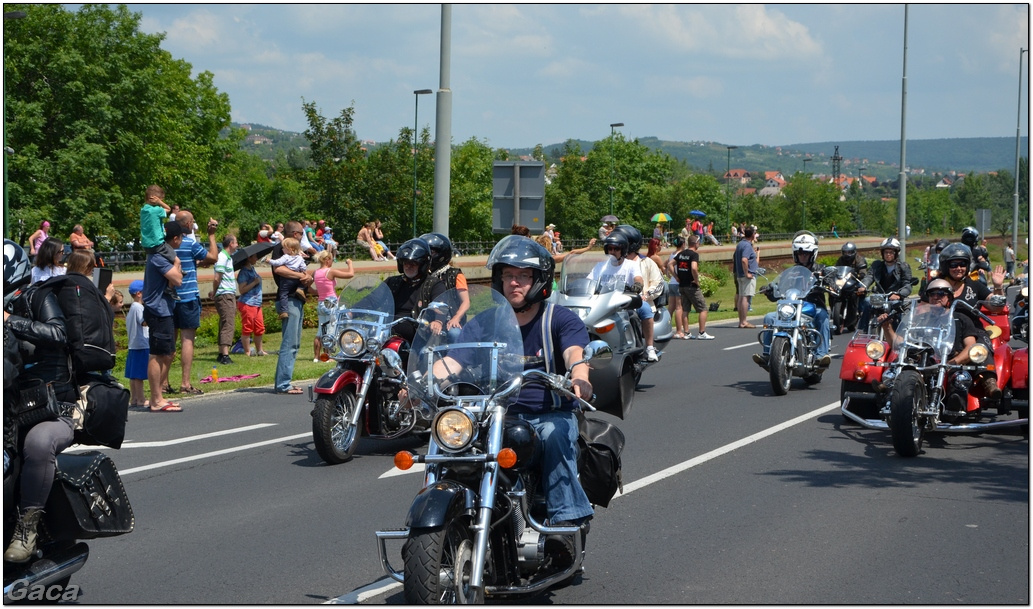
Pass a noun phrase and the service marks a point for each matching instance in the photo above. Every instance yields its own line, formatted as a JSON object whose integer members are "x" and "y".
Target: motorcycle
{"x": 793, "y": 336}
{"x": 1016, "y": 392}
{"x": 931, "y": 270}
{"x": 475, "y": 529}
{"x": 843, "y": 305}
{"x": 608, "y": 312}
{"x": 921, "y": 392}
{"x": 359, "y": 395}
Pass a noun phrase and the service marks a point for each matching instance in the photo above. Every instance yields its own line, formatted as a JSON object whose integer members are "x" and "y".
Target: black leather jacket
{"x": 857, "y": 262}
{"x": 899, "y": 282}
{"x": 39, "y": 327}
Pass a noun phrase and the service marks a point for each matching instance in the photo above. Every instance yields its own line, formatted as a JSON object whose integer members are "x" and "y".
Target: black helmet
{"x": 942, "y": 243}
{"x": 849, "y": 249}
{"x": 954, "y": 251}
{"x": 17, "y": 270}
{"x": 414, "y": 250}
{"x": 617, "y": 239}
{"x": 970, "y": 236}
{"x": 634, "y": 236}
{"x": 440, "y": 249}
{"x": 523, "y": 253}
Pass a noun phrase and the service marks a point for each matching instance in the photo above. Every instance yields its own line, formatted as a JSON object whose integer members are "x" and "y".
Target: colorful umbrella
{"x": 697, "y": 212}
{"x": 661, "y": 217}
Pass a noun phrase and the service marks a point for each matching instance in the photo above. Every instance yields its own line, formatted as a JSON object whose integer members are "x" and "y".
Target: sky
{"x": 524, "y": 74}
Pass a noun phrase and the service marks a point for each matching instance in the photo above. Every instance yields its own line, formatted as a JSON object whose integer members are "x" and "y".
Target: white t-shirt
{"x": 224, "y": 265}
{"x": 609, "y": 275}
{"x": 39, "y": 274}
{"x": 138, "y": 333}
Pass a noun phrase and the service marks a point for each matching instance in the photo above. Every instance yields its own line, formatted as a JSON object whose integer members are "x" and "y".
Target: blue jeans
{"x": 289, "y": 345}
{"x": 821, "y": 320}
{"x": 564, "y": 497}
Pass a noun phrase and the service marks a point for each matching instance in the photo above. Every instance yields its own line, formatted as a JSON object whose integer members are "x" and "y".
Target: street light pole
{"x": 728, "y": 196}
{"x": 1015, "y": 198}
{"x": 8, "y": 151}
{"x": 612, "y": 167}
{"x": 415, "y": 131}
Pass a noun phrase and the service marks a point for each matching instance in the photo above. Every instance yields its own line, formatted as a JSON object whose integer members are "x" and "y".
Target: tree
{"x": 96, "y": 112}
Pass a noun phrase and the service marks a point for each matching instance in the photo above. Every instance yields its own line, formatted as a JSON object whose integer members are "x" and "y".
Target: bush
{"x": 715, "y": 271}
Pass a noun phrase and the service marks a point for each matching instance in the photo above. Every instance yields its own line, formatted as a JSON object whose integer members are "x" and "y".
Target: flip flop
{"x": 747, "y": 325}
{"x": 291, "y": 391}
{"x": 168, "y": 407}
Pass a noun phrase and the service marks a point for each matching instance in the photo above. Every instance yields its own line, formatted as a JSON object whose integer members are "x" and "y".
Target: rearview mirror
{"x": 598, "y": 351}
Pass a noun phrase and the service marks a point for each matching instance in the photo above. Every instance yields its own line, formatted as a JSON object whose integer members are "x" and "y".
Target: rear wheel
{"x": 332, "y": 432}
{"x": 438, "y": 566}
{"x": 906, "y": 397}
{"x": 778, "y": 365}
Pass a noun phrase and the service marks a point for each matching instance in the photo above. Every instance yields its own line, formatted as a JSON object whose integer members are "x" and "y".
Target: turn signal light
{"x": 507, "y": 458}
{"x": 323, "y": 357}
{"x": 861, "y": 372}
{"x": 603, "y": 329}
{"x": 403, "y": 460}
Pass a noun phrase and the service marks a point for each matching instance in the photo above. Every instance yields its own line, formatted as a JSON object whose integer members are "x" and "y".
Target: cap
{"x": 136, "y": 286}
{"x": 173, "y": 229}
{"x": 46, "y": 223}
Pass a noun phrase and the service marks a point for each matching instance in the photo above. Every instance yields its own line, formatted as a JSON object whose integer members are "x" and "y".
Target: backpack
{"x": 88, "y": 321}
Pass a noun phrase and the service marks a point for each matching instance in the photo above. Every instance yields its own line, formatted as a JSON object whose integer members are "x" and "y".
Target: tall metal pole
{"x": 443, "y": 134}
{"x": 728, "y": 196}
{"x": 1015, "y": 198}
{"x": 415, "y": 154}
{"x": 902, "y": 180}
{"x": 612, "y": 166}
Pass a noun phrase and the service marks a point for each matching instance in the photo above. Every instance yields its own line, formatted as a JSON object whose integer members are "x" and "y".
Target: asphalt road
{"x": 732, "y": 495}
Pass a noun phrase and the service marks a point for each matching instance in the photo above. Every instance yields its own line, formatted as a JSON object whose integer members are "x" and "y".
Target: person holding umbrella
{"x": 659, "y": 231}
{"x": 249, "y": 305}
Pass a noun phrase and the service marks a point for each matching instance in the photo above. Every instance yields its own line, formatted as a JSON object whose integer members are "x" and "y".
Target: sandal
{"x": 191, "y": 390}
{"x": 168, "y": 407}
{"x": 747, "y": 325}
{"x": 169, "y": 389}
{"x": 292, "y": 391}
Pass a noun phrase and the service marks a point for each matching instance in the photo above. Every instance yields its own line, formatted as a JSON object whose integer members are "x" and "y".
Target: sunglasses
{"x": 958, "y": 264}
{"x": 938, "y": 293}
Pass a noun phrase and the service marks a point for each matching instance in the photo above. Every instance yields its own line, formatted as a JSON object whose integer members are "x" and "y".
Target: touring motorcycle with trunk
{"x": 476, "y": 528}
{"x": 359, "y": 395}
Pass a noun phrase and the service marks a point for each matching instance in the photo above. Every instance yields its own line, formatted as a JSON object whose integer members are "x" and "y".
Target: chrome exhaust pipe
{"x": 49, "y": 570}
{"x": 869, "y": 423}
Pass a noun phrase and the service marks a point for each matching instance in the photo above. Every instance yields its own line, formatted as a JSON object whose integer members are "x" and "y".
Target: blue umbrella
{"x": 697, "y": 212}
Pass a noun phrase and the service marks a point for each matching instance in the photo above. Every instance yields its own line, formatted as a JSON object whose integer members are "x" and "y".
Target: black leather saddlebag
{"x": 599, "y": 459}
{"x": 88, "y": 499}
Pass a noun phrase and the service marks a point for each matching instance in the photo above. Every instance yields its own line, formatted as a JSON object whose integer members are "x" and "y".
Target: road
{"x": 732, "y": 495}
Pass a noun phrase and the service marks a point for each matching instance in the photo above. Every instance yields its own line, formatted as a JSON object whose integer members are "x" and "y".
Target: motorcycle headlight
{"x": 933, "y": 274}
{"x": 978, "y": 353}
{"x": 327, "y": 341}
{"x": 875, "y": 350}
{"x": 786, "y": 312}
{"x": 453, "y": 429}
{"x": 351, "y": 343}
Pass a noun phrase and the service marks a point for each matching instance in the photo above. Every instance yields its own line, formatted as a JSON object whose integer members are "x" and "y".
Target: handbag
{"x": 101, "y": 413}
{"x": 36, "y": 403}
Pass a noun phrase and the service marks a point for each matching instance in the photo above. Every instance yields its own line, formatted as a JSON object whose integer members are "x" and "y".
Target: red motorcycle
{"x": 1016, "y": 390}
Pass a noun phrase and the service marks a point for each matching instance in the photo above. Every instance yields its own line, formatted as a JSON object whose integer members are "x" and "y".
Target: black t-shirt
{"x": 683, "y": 265}
{"x": 409, "y": 301}
{"x": 963, "y": 327}
{"x": 973, "y": 292}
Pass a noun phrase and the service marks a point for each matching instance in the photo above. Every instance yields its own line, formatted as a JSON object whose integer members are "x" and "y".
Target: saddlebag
{"x": 599, "y": 459}
{"x": 88, "y": 499}
{"x": 104, "y": 408}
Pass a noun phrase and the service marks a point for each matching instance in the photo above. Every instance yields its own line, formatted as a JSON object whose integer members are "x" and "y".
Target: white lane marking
{"x": 754, "y": 343}
{"x": 162, "y": 443}
{"x": 394, "y": 471}
{"x": 676, "y": 469}
{"x": 383, "y": 585}
{"x": 214, "y": 453}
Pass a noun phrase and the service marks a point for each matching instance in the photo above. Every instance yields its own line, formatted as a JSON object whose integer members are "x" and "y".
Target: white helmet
{"x": 805, "y": 241}
{"x": 890, "y": 244}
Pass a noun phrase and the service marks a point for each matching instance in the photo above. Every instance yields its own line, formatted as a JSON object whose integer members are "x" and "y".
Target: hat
{"x": 550, "y": 227}
{"x": 46, "y": 224}
{"x": 172, "y": 230}
{"x": 136, "y": 286}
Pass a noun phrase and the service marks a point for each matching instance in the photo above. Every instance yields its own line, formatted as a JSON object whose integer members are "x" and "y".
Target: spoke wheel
{"x": 906, "y": 427}
{"x": 438, "y": 566}
{"x": 778, "y": 364}
{"x": 333, "y": 434}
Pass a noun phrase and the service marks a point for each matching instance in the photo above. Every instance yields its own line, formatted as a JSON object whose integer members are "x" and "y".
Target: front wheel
{"x": 906, "y": 398}
{"x": 332, "y": 431}
{"x": 438, "y": 566}
{"x": 778, "y": 365}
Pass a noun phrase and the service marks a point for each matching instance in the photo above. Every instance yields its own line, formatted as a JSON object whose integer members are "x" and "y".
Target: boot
{"x": 760, "y": 360}
{"x": 990, "y": 388}
{"x": 824, "y": 361}
{"x": 23, "y": 544}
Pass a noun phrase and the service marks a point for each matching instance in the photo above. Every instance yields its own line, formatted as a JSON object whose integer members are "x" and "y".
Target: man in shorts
{"x": 158, "y": 276}
{"x": 186, "y": 314}
{"x": 745, "y": 263}
{"x": 687, "y": 264}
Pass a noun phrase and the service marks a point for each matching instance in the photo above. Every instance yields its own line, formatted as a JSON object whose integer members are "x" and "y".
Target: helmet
{"x": 941, "y": 284}
{"x": 889, "y": 243}
{"x": 617, "y": 239}
{"x": 805, "y": 241}
{"x": 942, "y": 243}
{"x": 970, "y": 236}
{"x": 17, "y": 270}
{"x": 954, "y": 251}
{"x": 523, "y": 253}
{"x": 634, "y": 236}
{"x": 440, "y": 249}
{"x": 414, "y": 250}
{"x": 849, "y": 249}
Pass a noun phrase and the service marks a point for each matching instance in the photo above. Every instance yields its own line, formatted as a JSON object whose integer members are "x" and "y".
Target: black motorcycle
{"x": 843, "y": 300}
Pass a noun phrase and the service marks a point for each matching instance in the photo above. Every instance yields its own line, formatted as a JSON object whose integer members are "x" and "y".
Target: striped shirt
{"x": 189, "y": 253}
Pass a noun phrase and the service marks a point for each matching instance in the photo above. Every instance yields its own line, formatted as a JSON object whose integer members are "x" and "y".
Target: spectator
{"x": 291, "y": 340}
{"x": 744, "y": 263}
{"x": 116, "y": 300}
{"x": 734, "y": 232}
{"x": 152, "y": 236}
{"x": 138, "y": 353}
{"x": 249, "y": 305}
{"x": 37, "y": 238}
{"x": 172, "y": 211}
{"x": 277, "y": 235}
{"x": 308, "y": 249}
{"x": 378, "y": 237}
{"x": 78, "y": 240}
{"x": 186, "y": 312}
{"x": 708, "y": 233}
{"x": 325, "y": 279}
{"x": 606, "y": 229}
{"x": 687, "y": 262}
{"x": 1009, "y": 261}
{"x": 674, "y": 302}
{"x": 551, "y": 234}
{"x": 48, "y": 260}
{"x": 544, "y": 241}
{"x": 264, "y": 233}
{"x": 310, "y": 236}
{"x": 835, "y": 233}
{"x": 685, "y": 232}
{"x": 324, "y": 235}
{"x": 365, "y": 239}
{"x": 291, "y": 259}
{"x": 159, "y": 275}
{"x": 224, "y": 292}
{"x": 520, "y": 230}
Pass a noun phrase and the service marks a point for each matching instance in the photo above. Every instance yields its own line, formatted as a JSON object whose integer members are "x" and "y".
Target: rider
{"x": 980, "y": 257}
{"x": 849, "y": 257}
{"x": 522, "y": 271}
{"x": 410, "y": 288}
{"x": 805, "y": 251}
{"x": 621, "y": 266}
{"x": 453, "y": 278}
{"x": 892, "y": 275}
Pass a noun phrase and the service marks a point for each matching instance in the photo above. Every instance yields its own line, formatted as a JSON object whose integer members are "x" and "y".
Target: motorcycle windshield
{"x": 485, "y": 354}
{"x": 927, "y": 326}
{"x": 364, "y": 305}
{"x": 794, "y": 283}
{"x": 586, "y": 274}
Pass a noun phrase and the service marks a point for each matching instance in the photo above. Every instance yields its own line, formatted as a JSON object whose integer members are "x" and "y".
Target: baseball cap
{"x": 172, "y": 229}
{"x": 136, "y": 286}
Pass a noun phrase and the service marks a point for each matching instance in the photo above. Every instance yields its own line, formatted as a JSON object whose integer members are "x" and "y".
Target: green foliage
{"x": 709, "y": 285}
{"x": 717, "y": 271}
